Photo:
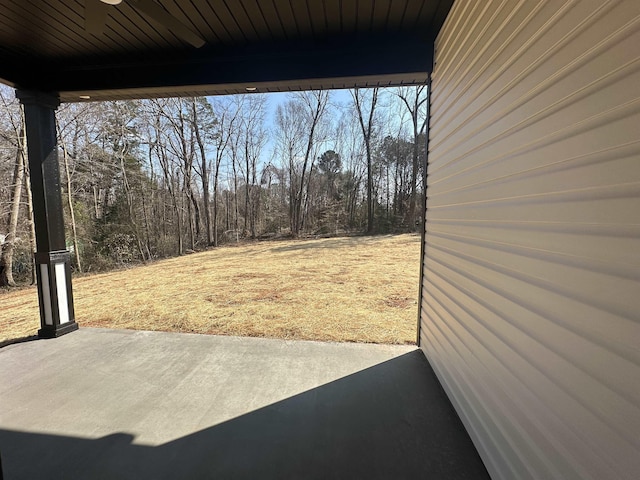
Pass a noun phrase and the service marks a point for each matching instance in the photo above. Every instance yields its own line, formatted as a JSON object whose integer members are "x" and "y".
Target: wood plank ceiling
{"x": 79, "y": 48}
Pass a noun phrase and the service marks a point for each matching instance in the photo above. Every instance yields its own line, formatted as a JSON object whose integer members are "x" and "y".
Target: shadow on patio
{"x": 391, "y": 420}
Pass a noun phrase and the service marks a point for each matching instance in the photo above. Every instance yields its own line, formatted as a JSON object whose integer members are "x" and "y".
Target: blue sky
{"x": 275, "y": 99}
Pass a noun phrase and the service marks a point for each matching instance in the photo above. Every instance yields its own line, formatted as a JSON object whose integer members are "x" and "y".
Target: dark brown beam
{"x": 373, "y": 56}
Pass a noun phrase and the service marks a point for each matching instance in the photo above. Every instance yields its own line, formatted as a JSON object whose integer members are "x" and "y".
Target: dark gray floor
{"x": 107, "y": 404}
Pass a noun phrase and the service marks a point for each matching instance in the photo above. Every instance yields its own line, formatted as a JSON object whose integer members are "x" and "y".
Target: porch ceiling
{"x": 84, "y": 47}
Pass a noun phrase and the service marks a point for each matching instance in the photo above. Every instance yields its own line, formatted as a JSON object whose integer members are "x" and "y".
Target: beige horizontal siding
{"x": 531, "y": 277}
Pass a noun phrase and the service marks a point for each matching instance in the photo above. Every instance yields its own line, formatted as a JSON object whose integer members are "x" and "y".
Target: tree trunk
{"x": 74, "y": 231}
{"x": 235, "y": 195}
{"x": 6, "y": 255}
{"x": 130, "y": 205}
{"x": 246, "y": 183}
{"x": 369, "y": 190}
{"x": 32, "y": 225}
{"x": 367, "y": 131}
{"x": 204, "y": 171}
{"x": 414, "y": 105}
{"x": 215, "y": 207}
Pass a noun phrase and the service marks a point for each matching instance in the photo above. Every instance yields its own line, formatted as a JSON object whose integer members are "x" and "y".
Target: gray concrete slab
{"x": 118, "y": 404}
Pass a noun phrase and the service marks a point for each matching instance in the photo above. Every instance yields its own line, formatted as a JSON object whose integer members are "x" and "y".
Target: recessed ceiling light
{"x": 112, "y": 2}
{"x": 85, "y": 97}
{"x": 251, "y": 89}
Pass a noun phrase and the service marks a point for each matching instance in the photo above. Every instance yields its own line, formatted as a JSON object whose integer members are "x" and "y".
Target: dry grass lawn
{"x": 355, "y": 289}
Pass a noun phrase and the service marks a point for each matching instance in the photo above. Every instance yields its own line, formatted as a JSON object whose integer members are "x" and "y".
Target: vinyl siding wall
{"x": 530, "y": 312}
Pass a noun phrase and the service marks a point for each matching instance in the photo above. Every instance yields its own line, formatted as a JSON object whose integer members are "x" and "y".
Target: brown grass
{"x": 356, "y": 289}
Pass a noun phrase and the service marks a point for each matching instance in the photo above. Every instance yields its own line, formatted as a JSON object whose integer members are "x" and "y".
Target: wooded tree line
{"x": 155, "y": 178}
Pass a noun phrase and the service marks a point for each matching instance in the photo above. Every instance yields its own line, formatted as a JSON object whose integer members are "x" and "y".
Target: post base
{"x": 55, "y": 331}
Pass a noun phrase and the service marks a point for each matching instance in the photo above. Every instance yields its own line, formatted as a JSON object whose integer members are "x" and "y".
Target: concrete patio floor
{"x": 118, "y": 404}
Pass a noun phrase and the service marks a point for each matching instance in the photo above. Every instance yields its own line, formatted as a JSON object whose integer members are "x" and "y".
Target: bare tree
{"x": 181, "y": 141}
{"x": 365, "y": 105}
{"x": 70, "y": 119}
{"x": 32, "y": 226}
{"x": 203, "y": 124}
{"x": 8, "y": 245}
{"x": 299, "y": 134}
{"x": 160, "y": 145}
{"x": 415, "y": 98}
{"x": 124, "y": 136}
{"x": 348, "y": 143}
{"x": 227, "y": 113}
{"x": 254, "y": 137}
